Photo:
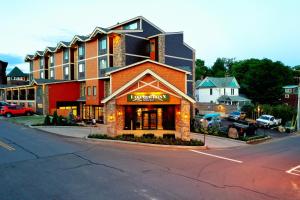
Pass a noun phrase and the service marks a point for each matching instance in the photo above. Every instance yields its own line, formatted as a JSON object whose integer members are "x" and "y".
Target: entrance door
{"x": 149, "y": 120}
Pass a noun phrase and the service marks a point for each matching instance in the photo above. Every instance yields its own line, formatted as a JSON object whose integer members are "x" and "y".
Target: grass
{"x": 150, "y": 140}
{"x": 27, "y": 120}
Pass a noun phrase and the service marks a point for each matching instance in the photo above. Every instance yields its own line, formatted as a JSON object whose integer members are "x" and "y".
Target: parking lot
{"x": 260, "y": 131}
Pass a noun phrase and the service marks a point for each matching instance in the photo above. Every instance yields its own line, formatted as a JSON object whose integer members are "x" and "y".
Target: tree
{"x": 262, "y": 80}
{"x": 201, "y": 70}
{"x": 222, "y": 67}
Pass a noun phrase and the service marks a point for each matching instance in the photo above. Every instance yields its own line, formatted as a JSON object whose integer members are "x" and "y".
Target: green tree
{"x": 201, "y": 70}
{"x": 218, "y": 69}
{"x": 262, "y": 80}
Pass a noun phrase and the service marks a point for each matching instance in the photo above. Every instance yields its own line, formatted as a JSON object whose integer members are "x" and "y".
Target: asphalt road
{"x": 37, "y": 165}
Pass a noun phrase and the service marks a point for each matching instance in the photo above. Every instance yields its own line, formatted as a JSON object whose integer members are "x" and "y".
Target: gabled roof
{"x": 215, "y": 82}
{"x": 16, "y": 72}
{"x": 116, "y": 69}
{"x": 137, "y": 78}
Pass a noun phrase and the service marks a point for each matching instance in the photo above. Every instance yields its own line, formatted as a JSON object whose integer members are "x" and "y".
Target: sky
{"x": 239, "y": 29}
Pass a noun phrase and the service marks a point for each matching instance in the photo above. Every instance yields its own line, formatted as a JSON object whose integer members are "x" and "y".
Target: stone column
{"x": 110, "y": 115}
{"x": 161, "y": 49}
{"x": 185, "y": 120}
{"x": 119, "y": 51}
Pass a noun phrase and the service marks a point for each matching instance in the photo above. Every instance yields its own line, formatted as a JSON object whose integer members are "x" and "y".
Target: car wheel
{"x": 28, "y": 114}
{"x": 8, "y": 115}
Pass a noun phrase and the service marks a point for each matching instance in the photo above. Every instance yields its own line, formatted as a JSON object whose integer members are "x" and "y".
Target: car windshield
{"x": 265, "y": 117}
{"x": 235, "y": 113}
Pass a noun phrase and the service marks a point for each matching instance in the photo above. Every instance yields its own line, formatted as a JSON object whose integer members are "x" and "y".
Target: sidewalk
{"x": 215, "y": 142}
{"x": 70, "y": 131}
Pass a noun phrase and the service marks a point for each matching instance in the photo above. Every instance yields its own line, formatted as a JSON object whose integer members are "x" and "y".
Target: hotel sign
{"x": 148, "y": 97}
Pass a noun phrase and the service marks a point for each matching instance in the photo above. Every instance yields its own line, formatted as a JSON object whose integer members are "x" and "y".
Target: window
{"x": 94, "y": 90}
{"x": 42, "y": 74}
{"x": 224, "y": 91}
{"x": 66, "y": 71}
{"x": 132, "y": 26}
{"x": 51, "y": 59}
{"x": 103, "y": 44}
{"x": 42, "y": 62}
{"x": 211, "y": 91}
{"x": 66, "y": 54}
{"x": 51, "y": 73}
{"x": 80, "y": 51}
{"x": 152, "y": 46}
{"x": 82, "y": 92}
{"x": 103, "y": 63}
{"x": 89, "y": 91}
{"x": 81, "y": 68}
{"x": 232, "y": 91}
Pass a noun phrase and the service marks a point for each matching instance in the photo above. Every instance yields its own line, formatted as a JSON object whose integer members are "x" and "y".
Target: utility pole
{"x": 298, "y": 105}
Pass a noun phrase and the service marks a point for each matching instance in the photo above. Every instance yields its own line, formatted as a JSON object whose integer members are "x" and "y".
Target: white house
{"x": 219, "y": 90}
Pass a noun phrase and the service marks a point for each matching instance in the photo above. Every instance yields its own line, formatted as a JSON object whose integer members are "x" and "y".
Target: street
{"x": 38, "y": 165}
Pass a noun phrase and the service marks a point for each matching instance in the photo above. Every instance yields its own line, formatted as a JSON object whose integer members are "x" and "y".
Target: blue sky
{"x": 238, "y": 29}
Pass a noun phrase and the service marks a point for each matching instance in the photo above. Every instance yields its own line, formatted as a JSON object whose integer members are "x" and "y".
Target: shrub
{"x": 169, "y": 136}
{"x": 148, "y": 135}
{"x": 55, "y": 118}
{"x": 47, "y": 120}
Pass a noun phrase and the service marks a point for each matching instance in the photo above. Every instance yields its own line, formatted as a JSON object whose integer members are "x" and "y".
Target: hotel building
{"x": 132, "y": 77}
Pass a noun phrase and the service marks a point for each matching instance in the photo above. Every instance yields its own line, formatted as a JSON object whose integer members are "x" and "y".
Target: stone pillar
{"x": 119, "y": 51}
{"x": 161, "y": 49}
{"x": 120, "y": 118}
{"x": 110, "y": 117}
{"x": 185, "y": 120}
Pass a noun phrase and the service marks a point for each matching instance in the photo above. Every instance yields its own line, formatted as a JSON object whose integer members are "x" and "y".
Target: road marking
{"x": 294, "y": 171}
{"x": 221, "y": 157}
{"x": 6, "y": 146}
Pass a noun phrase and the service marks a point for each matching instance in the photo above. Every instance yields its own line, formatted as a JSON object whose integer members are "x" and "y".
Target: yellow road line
{"x": 6, "y": 146}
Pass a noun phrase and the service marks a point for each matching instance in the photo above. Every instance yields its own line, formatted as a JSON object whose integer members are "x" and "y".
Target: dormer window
{"x": 132, "y": 26}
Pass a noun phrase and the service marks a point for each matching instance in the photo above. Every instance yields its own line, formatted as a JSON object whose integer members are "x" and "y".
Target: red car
{"x": 11, "y": 110}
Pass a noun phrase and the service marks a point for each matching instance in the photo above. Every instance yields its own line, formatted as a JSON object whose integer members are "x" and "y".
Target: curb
{"x": 149, "y": 145}
{"x": 255, "y": 141}
{"x": 223, "y": 138}
{"x": 33, "y": 127}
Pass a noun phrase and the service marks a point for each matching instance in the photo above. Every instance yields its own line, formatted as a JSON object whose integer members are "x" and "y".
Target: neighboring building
{"x": 290, "y": 96}
{"x": 3, "y": 66}
{"x": 17, "y": 77}
{"x": 88, "y": 74}
{"x": 219, "y": 90}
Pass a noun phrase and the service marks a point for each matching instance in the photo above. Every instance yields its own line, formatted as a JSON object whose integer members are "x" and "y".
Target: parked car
{"x": 267, "y": 121}
{"x": 212, "y": 119}
{"x": 236, "y": 115}
{"x": 244, "y": 128}
{"x": 3, "y": 103}
{"x": 12, "y": 110}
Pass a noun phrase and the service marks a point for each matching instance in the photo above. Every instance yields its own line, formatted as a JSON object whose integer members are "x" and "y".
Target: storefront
{"x": 150, "y": 102}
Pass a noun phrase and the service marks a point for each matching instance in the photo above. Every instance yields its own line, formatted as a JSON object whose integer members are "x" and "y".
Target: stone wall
{"x": 119, "y": 51}
{"x": 161, "y": 49}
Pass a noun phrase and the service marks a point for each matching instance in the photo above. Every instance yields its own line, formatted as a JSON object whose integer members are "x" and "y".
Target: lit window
{"x": 89, "y": 91}
{"x": 103, "y": 63}
{"x": 66, "y": 70}
{"x": 94, "y": 90}
{"x": 103, "y": 44}
{"x": 42, "y": 74}
{"x": 81, "y": 68}
{"x": 132, "y": 26}
{"x": 51, "y": 59}
{"x": 51, "y": 73}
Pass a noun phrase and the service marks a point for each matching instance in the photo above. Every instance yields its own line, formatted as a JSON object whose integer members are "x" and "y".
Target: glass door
{"x": 149, "y": 120}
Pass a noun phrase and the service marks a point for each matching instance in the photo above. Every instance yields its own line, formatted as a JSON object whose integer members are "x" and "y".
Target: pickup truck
{"x": 12, "y": 110}
{"x": 267, "y": 121}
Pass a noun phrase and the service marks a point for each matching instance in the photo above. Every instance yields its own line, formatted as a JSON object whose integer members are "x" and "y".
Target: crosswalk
{"x": 294, "y": 171}
{"x": 6, "y": 146}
